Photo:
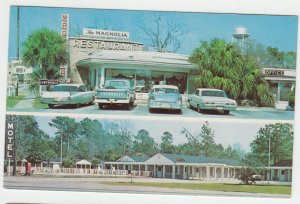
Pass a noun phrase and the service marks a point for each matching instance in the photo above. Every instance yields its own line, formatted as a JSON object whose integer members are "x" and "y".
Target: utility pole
{"x": 18, "y": 33}
{"x": 61, "y": 147}
{"x": 269, "y": 159}
{"x": 18, "y": 45}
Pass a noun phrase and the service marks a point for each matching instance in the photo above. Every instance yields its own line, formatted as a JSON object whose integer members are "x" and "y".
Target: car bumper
{"x": 112, "y": 101}
{"x": 55, "y": 101}
{"x": 164, "y": 105}
{"x": 213, "y": 107}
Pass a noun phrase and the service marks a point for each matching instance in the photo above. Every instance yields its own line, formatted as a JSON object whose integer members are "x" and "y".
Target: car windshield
{"x": 65, "y": 88}
{"x": 165, "y": 91}
{"x": 214, "y": 93}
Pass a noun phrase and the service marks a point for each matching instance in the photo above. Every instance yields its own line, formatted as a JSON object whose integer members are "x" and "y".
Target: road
{"x": 95, "y": 185}
{"x": 142, "y": 110}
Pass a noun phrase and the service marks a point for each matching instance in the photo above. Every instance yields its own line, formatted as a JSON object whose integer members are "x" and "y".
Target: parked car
{"x": 115, "y": 91}
{"x": 211, "y": 99}
{"x": 165, "y": 97}
{"x": 68, "y": 94}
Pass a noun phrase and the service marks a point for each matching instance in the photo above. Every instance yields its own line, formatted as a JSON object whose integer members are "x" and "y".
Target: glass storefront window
{"x": 157, "y": 77}
{"x": 143, "y": 81}
{"x": 120, "y": 74}
{"x": 285, "y": 91}
{"x": 177, "y": 79}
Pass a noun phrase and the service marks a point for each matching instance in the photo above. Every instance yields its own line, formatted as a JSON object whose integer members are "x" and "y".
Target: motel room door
{"x": 159, "y": 171}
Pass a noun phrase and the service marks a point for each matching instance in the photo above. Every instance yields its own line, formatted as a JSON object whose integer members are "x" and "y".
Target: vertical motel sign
{"x": 10, "y": 140}
{"x": 65, "y": 26}
{"x": 65, "y": 35}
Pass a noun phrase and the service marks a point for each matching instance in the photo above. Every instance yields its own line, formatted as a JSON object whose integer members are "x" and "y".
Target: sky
{"x": 226, "y": 132}
{"x": 269, "y": 30}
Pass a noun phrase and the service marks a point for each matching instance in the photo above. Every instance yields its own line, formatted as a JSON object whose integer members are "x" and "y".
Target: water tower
{"x": 240, "y": 36}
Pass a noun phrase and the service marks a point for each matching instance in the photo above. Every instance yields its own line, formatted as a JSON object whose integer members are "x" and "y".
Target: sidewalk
{"x": 27, "y": 101}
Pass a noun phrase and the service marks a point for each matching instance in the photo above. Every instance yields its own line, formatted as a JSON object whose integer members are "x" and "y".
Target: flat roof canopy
{"x": 144, "y": 58}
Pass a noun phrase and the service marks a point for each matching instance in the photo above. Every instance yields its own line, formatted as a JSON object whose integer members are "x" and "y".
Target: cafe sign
{"x": 105, "y": 33}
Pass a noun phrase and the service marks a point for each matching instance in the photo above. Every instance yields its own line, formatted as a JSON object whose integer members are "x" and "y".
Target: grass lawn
{"x": 12, "y": 101}
{"x": 38, "y": 105}
{"x": 254, "y": 188}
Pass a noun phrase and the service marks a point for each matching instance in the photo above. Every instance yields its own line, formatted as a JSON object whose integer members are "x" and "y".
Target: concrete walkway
{"x": 27, "y": 102}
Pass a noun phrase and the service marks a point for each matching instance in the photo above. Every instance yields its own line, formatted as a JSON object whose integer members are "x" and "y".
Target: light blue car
{"x": 211, "y": 99}
{"x": 165, "y": 97}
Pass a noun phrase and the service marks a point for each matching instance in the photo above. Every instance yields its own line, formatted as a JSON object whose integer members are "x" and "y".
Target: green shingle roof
{"x": 183, "y": 158}
{"x": 139, "y": 158}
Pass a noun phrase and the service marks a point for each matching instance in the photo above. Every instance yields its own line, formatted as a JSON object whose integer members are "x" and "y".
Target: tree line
{"x": 109, "y": 140}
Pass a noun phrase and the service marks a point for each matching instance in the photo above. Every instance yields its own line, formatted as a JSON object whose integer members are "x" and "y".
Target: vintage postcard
{"x": 154, "y": 102}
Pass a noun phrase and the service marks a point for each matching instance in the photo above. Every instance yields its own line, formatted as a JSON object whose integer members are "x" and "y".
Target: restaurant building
{"x": 98, "y": 55}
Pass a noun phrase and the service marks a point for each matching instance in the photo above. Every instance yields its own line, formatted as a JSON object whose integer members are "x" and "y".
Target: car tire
{"x": 131, "y": 103}
{"x": 178, "y": 111}
{"x": 226, "y": 112}
{"x": 51, "y": 106}
{"x": 128, "y": 106}
{"x": 101, "y": 106}
{"x": 199, "y": 110}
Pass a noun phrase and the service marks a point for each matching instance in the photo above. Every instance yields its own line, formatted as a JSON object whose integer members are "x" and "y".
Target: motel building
{"x": 98, "y": 55}
{"x": 177, "y": 166}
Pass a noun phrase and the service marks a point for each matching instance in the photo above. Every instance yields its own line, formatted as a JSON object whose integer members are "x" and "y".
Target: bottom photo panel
{"x": 215, "y": 157}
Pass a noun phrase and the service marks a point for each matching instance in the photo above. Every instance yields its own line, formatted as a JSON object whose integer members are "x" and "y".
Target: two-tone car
{"x": 115, "y": 92}
{"x": 68, "y": 94}
{"x": 211, "y": 99}
{"x": 165, "y": 97}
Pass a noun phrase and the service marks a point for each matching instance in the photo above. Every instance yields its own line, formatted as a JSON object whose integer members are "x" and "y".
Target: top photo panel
{"x": 150, "y": 63}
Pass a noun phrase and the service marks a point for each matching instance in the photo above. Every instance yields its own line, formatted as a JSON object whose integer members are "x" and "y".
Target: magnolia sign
{"x": 105, "y": 33}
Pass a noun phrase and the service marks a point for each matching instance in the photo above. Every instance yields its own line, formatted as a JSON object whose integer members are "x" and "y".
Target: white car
{"x": 68, "y": 94}
{"x": 211, "y": 99}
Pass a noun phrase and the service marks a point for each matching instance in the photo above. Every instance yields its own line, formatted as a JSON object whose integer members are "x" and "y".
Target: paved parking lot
{"x": 142, "y": 110}
{"x": 95, "y": 185}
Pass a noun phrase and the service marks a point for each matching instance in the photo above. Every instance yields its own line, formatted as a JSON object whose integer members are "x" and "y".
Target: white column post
{"x": 154, "y": 171}
{"x": 215, "y": 172}
{"x": 207, "y": 172}
{"x": 139, "y": 169}
{"x": 184, "y": 173}
{"x": 228, "y": 175}
{"x": 97, "y": 78}
{"x": 234, "y": 173}
{"x": 193, "y": 171}
{"x": 173, "y": 172}
{"x": 102, "y": 77}
{"x": 278, "y": 91}
{"x": 222, "y": 173}
{"x": 164, "y": 171}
